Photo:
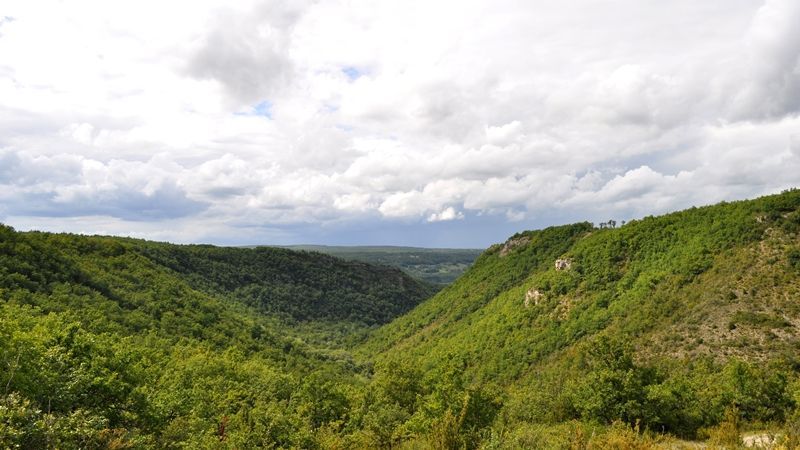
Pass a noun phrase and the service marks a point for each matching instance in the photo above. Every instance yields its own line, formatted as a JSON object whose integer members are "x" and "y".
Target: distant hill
{"x": 439, "y": 266}
{"x": 302, "y": 285}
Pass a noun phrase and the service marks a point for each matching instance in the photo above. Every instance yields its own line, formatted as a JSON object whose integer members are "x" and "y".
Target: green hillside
{"x": 680, "y": 326}
{"x": 439, "y": 266}
{"x": 298, "y": 284}
{"x": 666, "y": 321}
{"x": 110, "y": 342}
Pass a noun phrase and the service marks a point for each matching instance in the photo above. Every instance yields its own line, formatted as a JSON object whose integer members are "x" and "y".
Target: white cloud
{"x": 446, "y": 214}
{"x": 504, "y": 134}
{"x": 772, "y": 87}
{"x": 403, "y": 204}
{"x": 247, "y": 51}
{"x": 528, "y": 112}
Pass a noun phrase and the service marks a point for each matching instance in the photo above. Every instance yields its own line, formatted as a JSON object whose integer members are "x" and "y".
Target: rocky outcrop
{"x": 513, "y": 243}
{"x": 563, "y": 264}
{"x": 533, "y": 297}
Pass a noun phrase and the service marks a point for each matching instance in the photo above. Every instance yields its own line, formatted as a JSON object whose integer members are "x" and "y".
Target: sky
{"x": 439, "y": 124}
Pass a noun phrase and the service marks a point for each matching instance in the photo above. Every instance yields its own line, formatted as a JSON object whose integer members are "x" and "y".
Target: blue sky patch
{"x": 263, "y": 109}
{"x": 345, "y": 128}
{"x": 351, "y": 72}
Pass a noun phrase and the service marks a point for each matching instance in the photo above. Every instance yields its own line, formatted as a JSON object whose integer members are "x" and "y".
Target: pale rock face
{"x": 511, "y": 244}
{"x": 533, "y": 297}
{"x": 563, "y": 264}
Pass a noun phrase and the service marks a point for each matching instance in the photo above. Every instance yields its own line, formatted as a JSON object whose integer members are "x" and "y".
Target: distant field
{"x": 435, "y": 265}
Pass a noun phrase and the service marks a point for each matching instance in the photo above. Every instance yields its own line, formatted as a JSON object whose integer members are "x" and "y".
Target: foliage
{"x": 115, "y": 343}
{"x": 301, "y": 285}
{"x": 728, "y": 433}
{"x": 793, "y": 256}
{"x": 636, "y": 330}
{"x": 439, "y": 266}
{"x": 614, "y": 388}
{"x": 578, "y": 435}
{"x": 681, "y": 324}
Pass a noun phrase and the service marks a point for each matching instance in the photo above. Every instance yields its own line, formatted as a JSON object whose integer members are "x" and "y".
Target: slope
{"x": 303, "y": 286}
{"x": 118, "y": 343}
{"x": 439, "y": 266}
{"x": 711, "y": 291}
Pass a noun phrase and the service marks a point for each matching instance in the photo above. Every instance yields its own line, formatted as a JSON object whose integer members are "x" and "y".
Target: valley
{"x": 439, "y": 266}
{"x": 668, "y": 329}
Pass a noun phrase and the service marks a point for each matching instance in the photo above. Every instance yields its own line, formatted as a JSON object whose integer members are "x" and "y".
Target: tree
{"x": 614, "y": 388}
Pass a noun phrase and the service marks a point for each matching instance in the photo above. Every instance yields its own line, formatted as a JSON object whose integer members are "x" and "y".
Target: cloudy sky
{"x": 406, "y": 122}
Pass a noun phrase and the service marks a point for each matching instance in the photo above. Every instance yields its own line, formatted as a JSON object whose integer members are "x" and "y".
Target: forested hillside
{"x": 668, "y": 322}
{"x": 110, "y": 342}
{"x": 683, "y": 326}
{"x": 297, "y": 284}
{"x": 439, "y": 266}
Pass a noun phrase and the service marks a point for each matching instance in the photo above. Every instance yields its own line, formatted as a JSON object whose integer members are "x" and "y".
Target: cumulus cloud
{"x": 282, "y": 120}
{"x": 773, "y": 45}
{"x": 248, "y": 51}
{"x": 70, "y": 185}
{"x": 446, "y": 214}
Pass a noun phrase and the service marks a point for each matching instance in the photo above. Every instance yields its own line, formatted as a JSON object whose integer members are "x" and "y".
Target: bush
{"x": 615, "y": 388}
{"x": 579, "y": 436}
{"x": 793, "y": 257}
{"x": 728, "y": 433}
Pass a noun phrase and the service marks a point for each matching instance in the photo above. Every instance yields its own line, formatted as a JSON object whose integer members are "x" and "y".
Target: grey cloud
{"x": 283, "y": 14}
{"x": 224, "y": 192}
{"x": 321, "y": 146}
{"x": 16, "y": 122}
{"x": 22, "y": 169}
{"x": 9, "y": 162}
{"x": 248, "y": 53}
{"x": 66, "y": 185}
{"x": 166, "y": 202}
{"x": 59, "y": 169}
{"x": 773, "y": 85}
{"x": 448, "y": 110}
{"x": 520, "y": 110}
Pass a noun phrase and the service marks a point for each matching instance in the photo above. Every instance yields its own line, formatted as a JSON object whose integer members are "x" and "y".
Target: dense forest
{"x": 111, "y": 342}
{"x": 440, "y": 266}
{"x": 683, "y": 324}
{"x": 649, "y": 335}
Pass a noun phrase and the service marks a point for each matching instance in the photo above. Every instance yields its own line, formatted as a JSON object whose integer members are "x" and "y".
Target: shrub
{"x": 727, "y": 434}
{"x": 793, "y": 257}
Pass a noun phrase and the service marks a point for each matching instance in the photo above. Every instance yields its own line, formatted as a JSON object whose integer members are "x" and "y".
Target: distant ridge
{"x": 439, "y": 266}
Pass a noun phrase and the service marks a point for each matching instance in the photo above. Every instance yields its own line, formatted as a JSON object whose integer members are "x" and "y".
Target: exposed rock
{"x": 533, "y": 297}
{"x": 563, "y": 264}
{"x": 513, "y": 243}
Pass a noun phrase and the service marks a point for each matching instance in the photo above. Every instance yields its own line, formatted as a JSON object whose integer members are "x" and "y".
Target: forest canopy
{"x": 682, "y": 325}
